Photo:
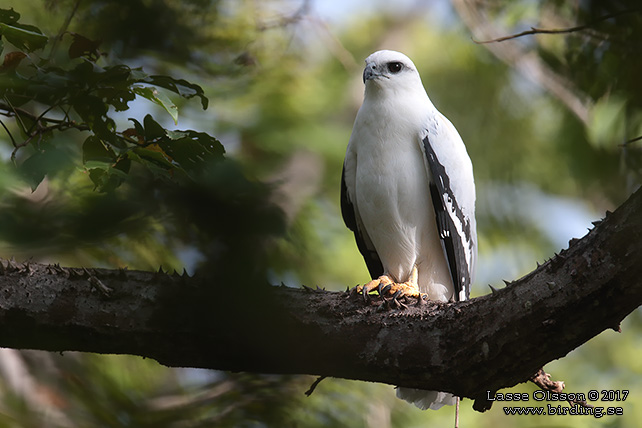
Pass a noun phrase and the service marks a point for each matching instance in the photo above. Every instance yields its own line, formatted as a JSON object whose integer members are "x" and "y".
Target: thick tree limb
{"x": 467, "y": 348}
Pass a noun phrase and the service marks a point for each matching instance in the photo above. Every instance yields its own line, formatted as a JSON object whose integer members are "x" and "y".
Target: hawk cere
{"x": 408, "y": 194}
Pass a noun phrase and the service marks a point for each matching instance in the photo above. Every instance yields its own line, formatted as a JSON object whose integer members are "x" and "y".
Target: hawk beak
{"x": 369, "y": 72}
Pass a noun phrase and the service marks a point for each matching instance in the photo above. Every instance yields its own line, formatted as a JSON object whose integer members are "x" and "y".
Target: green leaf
{"x": 44, "y": 162}
{"x": 9, "y": 16}
{"x": 138, "y": 127}
{"x": 138, "y": 74}
{"x": 193, "y": 151}
{"x": 607, "y": 126}
{"x": 97, "y": 164}
{"x": 180, "y": 86}
{"x": 154, "y": 160}
{"x": 107, "y": 176}
{"x": 93, "y": 149}
{"x": 157, "y": 97}
{"x": 153, "y": 130}
{"x": 23, "y": 37}
{"x": 82, "y": 46}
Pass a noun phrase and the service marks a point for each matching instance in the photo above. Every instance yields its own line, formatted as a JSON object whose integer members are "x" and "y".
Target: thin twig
{"x": 8, "y": 132}
{"x": 534, "y": 30}
{"x": 63, "y": 28}
{"x": 632, "y": 140}
{"x": 41, "y": 130}
{"x": 41, "y": 117}
{"x": 15, "y": 112}
{"x": 543, "y": 380}
{"x": 457, "y": 413}
{"x": 314, "y": 385}
{"x": 10, "y": 111}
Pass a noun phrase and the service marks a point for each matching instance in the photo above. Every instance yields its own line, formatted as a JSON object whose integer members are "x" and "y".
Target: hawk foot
{"x": 387, "y": 287}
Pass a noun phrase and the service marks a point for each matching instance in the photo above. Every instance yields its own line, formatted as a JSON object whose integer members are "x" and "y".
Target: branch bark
{"x": 467, "y": 348}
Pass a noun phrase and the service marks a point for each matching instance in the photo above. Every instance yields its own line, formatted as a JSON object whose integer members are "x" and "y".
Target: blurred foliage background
{"x": 552, "y": 123}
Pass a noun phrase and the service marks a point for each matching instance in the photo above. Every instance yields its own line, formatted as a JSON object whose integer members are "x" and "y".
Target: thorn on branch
{"x": 26, "y": 268}
{"x": 12, "y": 266}
{"x": 59, "y": 270}
{"x": 74, "y": 273}
{"x": 98, "y": 284}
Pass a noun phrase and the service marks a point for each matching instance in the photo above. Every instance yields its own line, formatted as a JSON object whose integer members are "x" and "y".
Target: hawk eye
{"x": 394, "y": 67}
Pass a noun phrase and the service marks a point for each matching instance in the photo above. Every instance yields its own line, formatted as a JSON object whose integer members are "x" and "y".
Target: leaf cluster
{"x": 147, "y": 180}
{"x": 43, "y": 98}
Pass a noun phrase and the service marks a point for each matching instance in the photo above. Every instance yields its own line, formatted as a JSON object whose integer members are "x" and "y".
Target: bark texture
{"x": 467, "y": 348}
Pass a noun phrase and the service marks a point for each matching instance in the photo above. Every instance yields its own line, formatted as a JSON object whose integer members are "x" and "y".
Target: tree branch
{"x": 526, "y": 61}
{"x": 467, "y": 348}
{"x": 534, "y": 31}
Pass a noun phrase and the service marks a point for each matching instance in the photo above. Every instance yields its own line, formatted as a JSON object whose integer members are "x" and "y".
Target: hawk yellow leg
{"x": 387, "y": 286}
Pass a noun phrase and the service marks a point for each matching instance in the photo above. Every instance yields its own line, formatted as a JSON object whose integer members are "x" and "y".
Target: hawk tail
{"x": 433, "y": 400}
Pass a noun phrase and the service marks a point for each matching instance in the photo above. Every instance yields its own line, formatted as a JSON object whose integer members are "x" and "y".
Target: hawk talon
{"x": 384, "y": 290}
{"x": 395, "y": 299}
{"x": 366, "y": 296}
{"x": 398, "y": 295}
{"x": 385, "y": 306}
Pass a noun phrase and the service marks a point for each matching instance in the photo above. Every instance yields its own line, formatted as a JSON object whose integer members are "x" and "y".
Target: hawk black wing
{"x": 453, "y": 226}
{"x": 363, "y": 240}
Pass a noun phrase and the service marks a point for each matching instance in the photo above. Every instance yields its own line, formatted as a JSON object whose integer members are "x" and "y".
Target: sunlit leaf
{"x": 159, "y": 98}
{"x": 180, "y": 86}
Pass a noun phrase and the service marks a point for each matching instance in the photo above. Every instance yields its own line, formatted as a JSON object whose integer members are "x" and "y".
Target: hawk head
{"x": 391, "y": 71}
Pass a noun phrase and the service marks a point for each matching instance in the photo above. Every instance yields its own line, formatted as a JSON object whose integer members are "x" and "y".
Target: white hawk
{"x": 408, "y": 194}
